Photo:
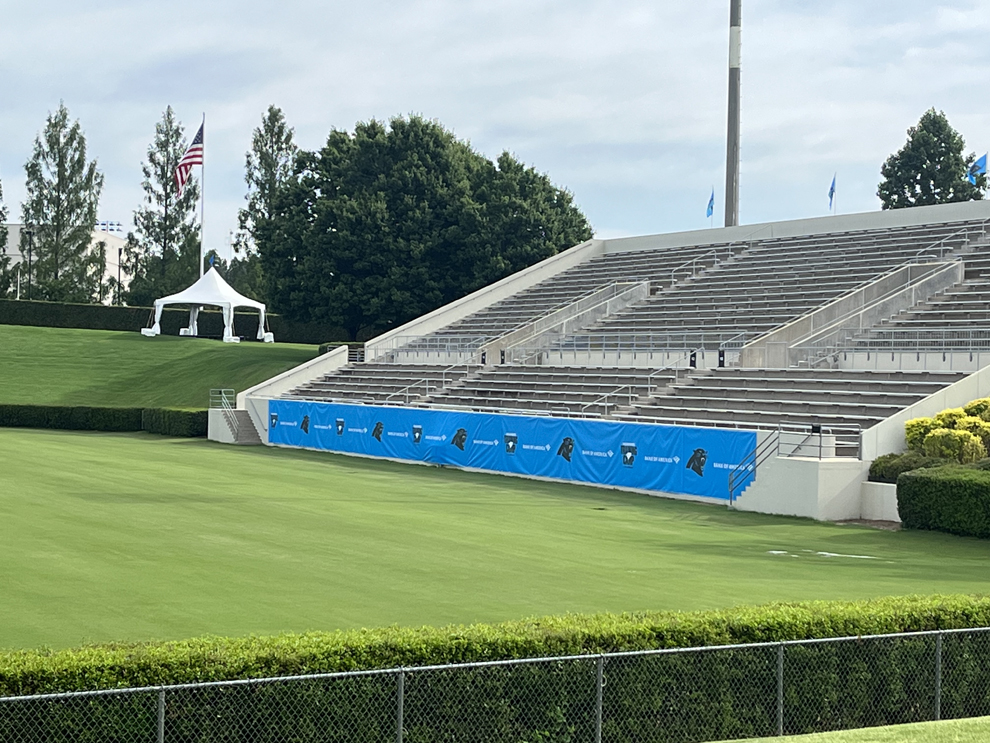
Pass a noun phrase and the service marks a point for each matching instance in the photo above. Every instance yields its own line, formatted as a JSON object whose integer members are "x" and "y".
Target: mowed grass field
{"x": 976, "y": 730}
{"x": 59, "y": 366}
{"x": 131, "y": 537}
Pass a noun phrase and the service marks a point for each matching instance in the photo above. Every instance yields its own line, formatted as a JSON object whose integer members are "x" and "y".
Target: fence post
{"x": 599, "y": 688}
{"x": 400, "y": 698}
{"x": 938, "y": 676}
{"x": 161, "y": 716}
{"x": 780, "y": 689}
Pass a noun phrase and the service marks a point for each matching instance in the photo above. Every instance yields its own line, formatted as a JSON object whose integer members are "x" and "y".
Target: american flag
{"x": 193, "y": 156}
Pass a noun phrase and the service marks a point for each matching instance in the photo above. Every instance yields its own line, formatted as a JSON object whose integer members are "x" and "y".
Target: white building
{"x": 114, "y": 251}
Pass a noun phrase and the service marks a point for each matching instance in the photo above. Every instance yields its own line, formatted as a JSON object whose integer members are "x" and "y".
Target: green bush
{"x": 102, "y": 317}
{"x": 978, "y": 407}
{"x": 915, "y": 431}
{"x": 683, "y": 696}
{"x": 976, "y": 426}
{"x": 889, "y": 467}
{"x": 949, "y": 417}
{"x": 169, "y": 422}
{"x": 951, "y": 498}
{"x": 958, "y": 446}
{"x": 189, "y": 423}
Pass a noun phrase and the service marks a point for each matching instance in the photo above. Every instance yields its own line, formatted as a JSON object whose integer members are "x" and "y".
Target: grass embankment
{"x": 107, "y": 537}
{"x": 975, "y": 730}
{"x": 57, "y": 366}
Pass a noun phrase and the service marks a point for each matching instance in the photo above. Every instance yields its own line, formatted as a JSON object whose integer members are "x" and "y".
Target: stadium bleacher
{"x": 713, "y": 295}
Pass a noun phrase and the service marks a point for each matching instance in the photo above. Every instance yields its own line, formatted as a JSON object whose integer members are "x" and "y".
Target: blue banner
{"x": 669, "y": 459}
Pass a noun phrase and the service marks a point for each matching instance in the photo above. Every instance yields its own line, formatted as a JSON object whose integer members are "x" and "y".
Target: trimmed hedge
{"x": 122, "y": 665}
{"x": 889, "y": 467}
{"x": 103, "y": 317}
{"x": 950, "y": 498}
{"x": 169, "y": 422}
{"x": 674, "y": 697}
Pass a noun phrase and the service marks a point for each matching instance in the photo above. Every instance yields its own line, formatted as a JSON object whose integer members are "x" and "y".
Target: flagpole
{"x": 202, "y": 201}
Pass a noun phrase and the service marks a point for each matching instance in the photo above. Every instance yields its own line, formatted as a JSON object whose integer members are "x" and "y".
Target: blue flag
{"x": 977, "y": 168}
{"x": 831, "y": 192}
{"x": 711, "y": 204}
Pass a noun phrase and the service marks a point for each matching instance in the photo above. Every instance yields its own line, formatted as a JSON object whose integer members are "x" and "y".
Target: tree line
{"x": 378, "y": 226}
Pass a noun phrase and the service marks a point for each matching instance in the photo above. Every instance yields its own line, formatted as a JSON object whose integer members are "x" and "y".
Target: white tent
{"x": 210, "y": 290}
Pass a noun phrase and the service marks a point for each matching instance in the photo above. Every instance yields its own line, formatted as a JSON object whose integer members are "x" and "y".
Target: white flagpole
{"x": 202, "y": 201}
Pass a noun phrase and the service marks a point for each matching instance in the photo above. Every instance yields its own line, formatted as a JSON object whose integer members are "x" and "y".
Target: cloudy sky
{"x": 622, "y": 102}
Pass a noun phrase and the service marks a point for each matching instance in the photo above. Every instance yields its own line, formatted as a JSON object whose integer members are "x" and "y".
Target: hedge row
{"x": 219, "y": 658}
{"x": 673, "y": 697}
{"x": 210, "y": 323}
{"x": 190, "y": 423}
{"x": 951, "y": 498}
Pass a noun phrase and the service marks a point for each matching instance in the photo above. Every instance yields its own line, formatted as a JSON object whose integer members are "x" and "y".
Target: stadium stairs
{"x": 556, "y": 340}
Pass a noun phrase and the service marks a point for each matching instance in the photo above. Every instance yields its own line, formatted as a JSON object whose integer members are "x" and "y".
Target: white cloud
{"x": 623, "y": 103}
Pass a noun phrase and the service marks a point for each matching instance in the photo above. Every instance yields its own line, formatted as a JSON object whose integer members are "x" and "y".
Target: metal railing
{"x": 681, "y": 695}
{"x": 631, "y": 392}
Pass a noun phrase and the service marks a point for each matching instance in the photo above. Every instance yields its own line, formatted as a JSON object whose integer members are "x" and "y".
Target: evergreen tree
{"x": 389, "y": 223}
{"x": 8, "y": 276}
{"x": 63, "y": 194}
{"x": 268, "y": 169}
{"x": 162, "y": 254}
{"x": 929, "y": 168}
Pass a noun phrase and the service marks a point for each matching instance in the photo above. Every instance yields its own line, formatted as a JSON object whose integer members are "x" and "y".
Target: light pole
{"x": 732, "y": 133}
{"x": 30, "y": 237}
{"x": 120, "y": 252}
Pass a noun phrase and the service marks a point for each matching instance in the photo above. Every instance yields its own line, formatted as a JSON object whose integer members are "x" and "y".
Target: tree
{"x": 930, "y": 168}
{"x": 7, "y": 276}
{"x": 268, "y": 169}
{"x": 63, "y": 194}
{"x": 162, "y": 254}
{"x": 389, "y": 223}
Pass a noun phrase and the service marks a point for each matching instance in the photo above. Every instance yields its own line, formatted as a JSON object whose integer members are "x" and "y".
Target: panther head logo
{"x": 305, "y": 424}
{"x": 566, "y": 448}
{"x": 697, "y": 462}
{"x": 460, "y": 438}
{"x": 377, "y": 432}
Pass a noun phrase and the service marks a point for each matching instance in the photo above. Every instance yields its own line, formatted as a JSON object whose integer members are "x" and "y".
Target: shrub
{"x": 951, "y": 498}
{"x": 169, "y": 422}
{"x": 915, "y": 431}
{"x": 978, "y": 407}
{"x": 959, "y": 446}
{"x": 949, "y": 417}
{"x": 889, "y": 467}
{"x": 976, "y": 426}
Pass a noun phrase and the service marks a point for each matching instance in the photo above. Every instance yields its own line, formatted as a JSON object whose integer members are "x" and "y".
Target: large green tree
{"x": 162, "y": 253}
{"x": 930, "y": 168}
{"x": 63, "y": 195}
{"x": 392, "y": 221}
{"x": 268, "y": 169}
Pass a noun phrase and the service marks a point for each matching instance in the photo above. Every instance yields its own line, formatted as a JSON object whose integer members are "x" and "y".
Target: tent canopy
{"x": 213, "y": 291}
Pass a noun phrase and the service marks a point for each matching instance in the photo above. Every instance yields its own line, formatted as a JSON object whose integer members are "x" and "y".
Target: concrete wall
{"x": 879, "y": 502}
{"x": 968, "y": 361}
{"x": 217, "y": 428}
{"x": 888, "y": 436}
{"x": 482, "y": 298}
{"x": 821, "y": 489}
{"x": 920, "y": 215}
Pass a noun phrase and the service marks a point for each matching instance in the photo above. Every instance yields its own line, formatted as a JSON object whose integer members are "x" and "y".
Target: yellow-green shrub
{"x": 959, "y": 446}
{"x": 948, "y": 417}
{"x": 976, "y": 426}
{"x": 978, "y": 407}
{"x": 915, "y": 431}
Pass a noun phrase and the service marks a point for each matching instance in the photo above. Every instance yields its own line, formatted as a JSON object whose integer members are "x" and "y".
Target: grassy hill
{"x": 57, "y": 366}
{"x": 131, "y": 536}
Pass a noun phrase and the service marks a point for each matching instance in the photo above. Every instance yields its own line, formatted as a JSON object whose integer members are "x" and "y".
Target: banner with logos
{"x": 669, "y": 459}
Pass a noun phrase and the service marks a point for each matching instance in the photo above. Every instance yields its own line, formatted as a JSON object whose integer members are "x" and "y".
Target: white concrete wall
{"x": 821, "y": 489}
{"x": 888, "y": 435}
{"x": 968, "y": 361}
{"x": 217, "y": 428}
{"x": 879, "y": 502}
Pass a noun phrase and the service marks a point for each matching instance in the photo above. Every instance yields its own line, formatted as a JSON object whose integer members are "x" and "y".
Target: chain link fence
{"x": 680, "y": 695}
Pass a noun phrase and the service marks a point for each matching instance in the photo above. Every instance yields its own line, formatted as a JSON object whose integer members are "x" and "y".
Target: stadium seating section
{"x": 703, "y": 299}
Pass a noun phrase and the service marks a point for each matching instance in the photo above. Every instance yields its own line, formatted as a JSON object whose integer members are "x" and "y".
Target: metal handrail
{"x": 751, "y": 463}
{"x": 221, "y": 399}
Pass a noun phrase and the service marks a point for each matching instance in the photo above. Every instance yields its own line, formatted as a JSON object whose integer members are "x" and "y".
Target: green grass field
{"x": 976, "y": 730}
{"x": 57, "y": 366}
{"x": 132, "y": 536}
